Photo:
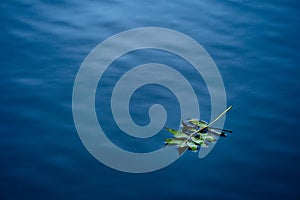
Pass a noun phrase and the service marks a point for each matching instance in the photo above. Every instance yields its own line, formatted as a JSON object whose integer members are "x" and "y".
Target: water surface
{"x": 255, "y": 45}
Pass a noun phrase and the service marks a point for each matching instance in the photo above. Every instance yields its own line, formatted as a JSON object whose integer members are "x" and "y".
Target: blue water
{"x": 255, "y": 45}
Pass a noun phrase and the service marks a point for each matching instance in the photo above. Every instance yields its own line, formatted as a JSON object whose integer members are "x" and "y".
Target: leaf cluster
{"x": 193, "y": 134}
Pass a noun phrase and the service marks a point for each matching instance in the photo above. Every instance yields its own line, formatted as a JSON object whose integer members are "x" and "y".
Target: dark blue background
{"x": 255, "y": 44}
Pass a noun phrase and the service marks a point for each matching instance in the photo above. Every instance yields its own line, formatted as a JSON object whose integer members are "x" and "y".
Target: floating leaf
{"x": 202, "y": 123}
{"x": 210, "y": 138}
{"x": 177, "y": 134}
{"x": 199, "y": 123}
{"x": 174, "y": 132}
{"x": 174, "y": 141}
{"x": 214, "y": 131}
{"x": 204, "y": 145}
{"x": 228, "y": 131}
{"x": 193, "y": 121}
{"x": 197, "y": 140}
{"x": 192, "y": 145}
{"x": 182, "y": 145}
{"x": 181, "y": 135}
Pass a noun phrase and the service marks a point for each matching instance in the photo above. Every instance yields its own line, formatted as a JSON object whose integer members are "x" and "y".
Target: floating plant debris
{"x": 196, "y": 133}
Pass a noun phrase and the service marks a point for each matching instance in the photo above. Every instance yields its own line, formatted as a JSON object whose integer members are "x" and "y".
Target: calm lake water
{"x": 255, "y": 45}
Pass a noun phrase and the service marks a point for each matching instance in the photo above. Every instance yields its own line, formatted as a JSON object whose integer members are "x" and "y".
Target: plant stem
{"x": 223, "y": 113}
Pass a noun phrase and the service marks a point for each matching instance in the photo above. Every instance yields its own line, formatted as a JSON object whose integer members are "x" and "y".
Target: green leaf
{"x": 204, "y": 145}
{"x": 199, "y": 123}
{"x": 177, "y": 134}
{"x": 174, "y": 141}
{"x": 181, "y": 135}
{"x": 197, "y": 140}
{"x": 202, "y": 124}
{"x": 174, "y": 132}
{"x": 192, "y": 145}
{"x": 208, "y": 137}
{"x": 193, "y": 121}
{"x": 183, "y": 145}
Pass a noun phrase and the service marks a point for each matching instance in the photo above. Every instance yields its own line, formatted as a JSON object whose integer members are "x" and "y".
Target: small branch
{"x": 223, "y": 113}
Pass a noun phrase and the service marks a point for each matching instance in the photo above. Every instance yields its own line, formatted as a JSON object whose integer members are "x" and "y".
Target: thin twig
{"x": 223, "y": 113}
